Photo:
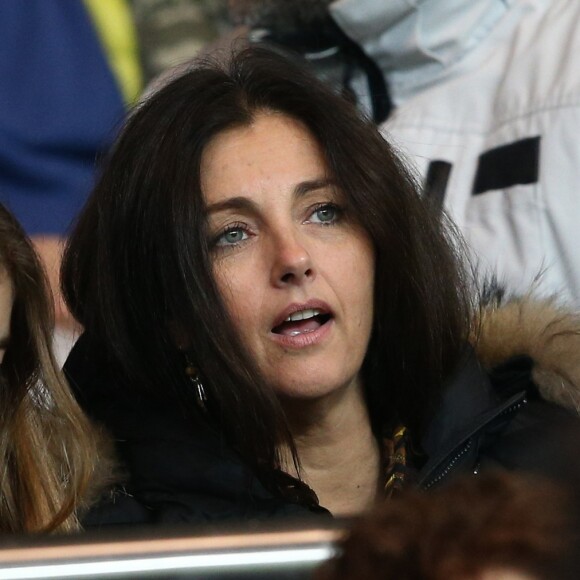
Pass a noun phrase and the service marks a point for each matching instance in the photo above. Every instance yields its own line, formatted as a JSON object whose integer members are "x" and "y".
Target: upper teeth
{"x": 303, "y": 314}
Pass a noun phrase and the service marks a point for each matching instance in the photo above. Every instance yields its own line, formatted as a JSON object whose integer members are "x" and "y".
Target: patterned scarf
{"x": 399, "y": 471}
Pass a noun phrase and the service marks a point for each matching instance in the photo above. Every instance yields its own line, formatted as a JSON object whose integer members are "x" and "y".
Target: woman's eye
{"x": 231, "y": 237}
{"x": 325, "y": 214}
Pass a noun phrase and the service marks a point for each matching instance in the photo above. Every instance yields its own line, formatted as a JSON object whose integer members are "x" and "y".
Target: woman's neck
{"x": 340, "y": 457}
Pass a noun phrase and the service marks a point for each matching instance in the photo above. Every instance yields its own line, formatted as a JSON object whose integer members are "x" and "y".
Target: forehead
{"x": 274, "y": 153}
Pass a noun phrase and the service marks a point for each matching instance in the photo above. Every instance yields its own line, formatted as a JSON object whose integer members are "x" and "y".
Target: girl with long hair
{"x": 48, "y": 449}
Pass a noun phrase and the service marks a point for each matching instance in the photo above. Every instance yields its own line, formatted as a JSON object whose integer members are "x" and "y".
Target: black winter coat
{"x": 512, "y": 405}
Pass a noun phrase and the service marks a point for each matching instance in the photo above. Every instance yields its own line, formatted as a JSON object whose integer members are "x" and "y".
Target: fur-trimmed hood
{"x": 496, "y": 411}
{"x": 541, "y": 329}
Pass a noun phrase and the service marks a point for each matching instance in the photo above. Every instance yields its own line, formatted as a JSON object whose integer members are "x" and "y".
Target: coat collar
{"x": 521, "y": 346}
{"x": 468, "y": 396}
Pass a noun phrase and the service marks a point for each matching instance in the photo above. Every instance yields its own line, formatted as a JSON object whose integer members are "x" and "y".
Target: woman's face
{"x": 296, "y": 273}
{"x": 6, "y": 301}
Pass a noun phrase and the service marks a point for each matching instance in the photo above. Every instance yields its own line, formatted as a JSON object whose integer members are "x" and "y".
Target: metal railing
{"x": 147, "y": 553}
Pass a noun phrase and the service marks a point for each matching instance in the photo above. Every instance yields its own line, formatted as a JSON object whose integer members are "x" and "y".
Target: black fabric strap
{"x": 436, "y": 181}
{"x": 513, "y": 164}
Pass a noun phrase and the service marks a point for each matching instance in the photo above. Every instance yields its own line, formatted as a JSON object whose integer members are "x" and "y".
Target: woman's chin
{"x": 297, "y": 392}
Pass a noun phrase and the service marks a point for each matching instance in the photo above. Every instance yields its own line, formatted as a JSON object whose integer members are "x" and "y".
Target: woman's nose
{"x": 292, "y": 261}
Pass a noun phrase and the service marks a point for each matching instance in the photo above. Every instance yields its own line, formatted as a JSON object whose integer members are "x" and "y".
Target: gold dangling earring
{"x": 193, "y": 376}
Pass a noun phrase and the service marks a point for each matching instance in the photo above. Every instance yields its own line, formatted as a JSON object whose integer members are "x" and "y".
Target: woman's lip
{"x": 304, "y": 339}
{"x": 296, "y": 307}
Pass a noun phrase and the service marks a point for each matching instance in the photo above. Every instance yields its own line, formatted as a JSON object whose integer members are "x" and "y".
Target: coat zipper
{"x": 467, "y": 446}
{"x": 450, "y": 465}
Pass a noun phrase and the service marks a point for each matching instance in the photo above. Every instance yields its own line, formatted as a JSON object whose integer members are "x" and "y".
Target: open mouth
{"x": 302, "y": 322}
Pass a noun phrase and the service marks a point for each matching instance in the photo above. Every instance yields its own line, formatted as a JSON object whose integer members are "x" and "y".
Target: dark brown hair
{"x": 47, "y": 447}
{"x": 138, "y": 259}
{"x": 473, "y": 525}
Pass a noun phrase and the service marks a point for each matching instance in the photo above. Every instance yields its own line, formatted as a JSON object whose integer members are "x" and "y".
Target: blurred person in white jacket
{"x": 482, "y": 95}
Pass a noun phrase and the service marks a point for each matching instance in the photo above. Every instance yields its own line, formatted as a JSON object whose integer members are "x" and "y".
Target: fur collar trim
{"x": 546, "y": 332}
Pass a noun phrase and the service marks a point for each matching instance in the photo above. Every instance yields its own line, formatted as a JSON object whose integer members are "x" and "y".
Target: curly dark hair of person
{"x": 495, "y": 522}
{"x": 137, "y": 265}
{"x": 48, "y": 449}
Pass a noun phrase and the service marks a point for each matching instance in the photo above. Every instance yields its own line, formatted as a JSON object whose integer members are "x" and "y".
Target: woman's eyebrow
{"x": 237, "y": 203}
{"x": 312, "y": 185}
{"x": 246, "y": 204}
